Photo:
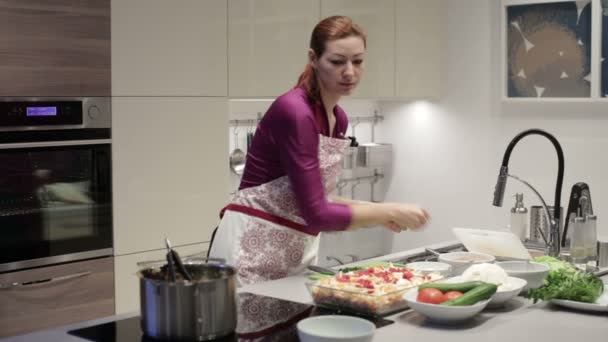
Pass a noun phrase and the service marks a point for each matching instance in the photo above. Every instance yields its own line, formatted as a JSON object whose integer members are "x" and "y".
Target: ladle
{"x": 237, "y": 156}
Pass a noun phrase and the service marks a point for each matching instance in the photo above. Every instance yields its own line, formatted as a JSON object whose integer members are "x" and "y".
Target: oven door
{"x": 55, "y": 202}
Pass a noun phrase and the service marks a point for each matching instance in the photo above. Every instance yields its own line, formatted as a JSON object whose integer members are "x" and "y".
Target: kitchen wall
{"x": 448, "y": 153}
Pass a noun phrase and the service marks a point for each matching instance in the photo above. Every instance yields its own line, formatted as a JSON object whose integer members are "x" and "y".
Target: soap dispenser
{"x": 519, "y": 217}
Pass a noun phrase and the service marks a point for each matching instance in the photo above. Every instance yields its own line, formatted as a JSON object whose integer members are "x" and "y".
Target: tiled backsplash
{"x": 362, "y": 243}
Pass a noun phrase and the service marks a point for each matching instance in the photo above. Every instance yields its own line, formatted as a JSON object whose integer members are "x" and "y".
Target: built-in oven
{"x": 55, "y": 181}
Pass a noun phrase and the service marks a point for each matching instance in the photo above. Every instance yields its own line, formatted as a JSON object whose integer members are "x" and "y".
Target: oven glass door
{"x": 54, "y": 201}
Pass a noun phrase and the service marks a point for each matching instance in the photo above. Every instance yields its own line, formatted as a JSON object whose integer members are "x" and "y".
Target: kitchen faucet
{"x": 553, "y": 241}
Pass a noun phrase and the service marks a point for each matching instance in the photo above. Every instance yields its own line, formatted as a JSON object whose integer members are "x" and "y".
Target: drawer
{"x": 56, "y": 295}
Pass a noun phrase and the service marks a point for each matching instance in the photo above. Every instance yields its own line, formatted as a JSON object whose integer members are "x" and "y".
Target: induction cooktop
{"x": 259, "y": 317}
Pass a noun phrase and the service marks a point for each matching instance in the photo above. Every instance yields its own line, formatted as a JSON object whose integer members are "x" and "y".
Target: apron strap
{"x": 268, "y": 217}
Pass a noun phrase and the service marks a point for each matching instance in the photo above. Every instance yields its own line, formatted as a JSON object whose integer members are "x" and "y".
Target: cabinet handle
{"x": 8, "y": 286}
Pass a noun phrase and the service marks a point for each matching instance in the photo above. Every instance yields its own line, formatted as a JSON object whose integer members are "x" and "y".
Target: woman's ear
{"x": 312, "y": 58}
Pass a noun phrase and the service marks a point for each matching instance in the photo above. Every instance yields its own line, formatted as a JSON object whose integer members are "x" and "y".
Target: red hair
{"x": 331, "y": 28}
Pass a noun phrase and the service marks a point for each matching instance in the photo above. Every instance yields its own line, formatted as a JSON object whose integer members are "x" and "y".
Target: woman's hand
{"x": 395, "y": 216}
{"x": 403, "y": 216}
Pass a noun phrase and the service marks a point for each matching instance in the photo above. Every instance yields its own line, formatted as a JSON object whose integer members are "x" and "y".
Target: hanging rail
{"x": 373, "y": 119}
{"x": 353, "y": 119}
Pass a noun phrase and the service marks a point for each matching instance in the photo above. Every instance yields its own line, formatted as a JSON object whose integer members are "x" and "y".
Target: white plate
{"x": 600, "y": 305}
{"x": 442, "y": 313}
{"x": 499, "y": 244}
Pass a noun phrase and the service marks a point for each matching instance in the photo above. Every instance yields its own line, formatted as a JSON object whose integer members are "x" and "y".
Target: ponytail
{"x": 308, "y": 82}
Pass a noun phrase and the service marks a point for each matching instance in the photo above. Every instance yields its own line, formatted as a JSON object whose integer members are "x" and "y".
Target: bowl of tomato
{"x": 450, "y": 303}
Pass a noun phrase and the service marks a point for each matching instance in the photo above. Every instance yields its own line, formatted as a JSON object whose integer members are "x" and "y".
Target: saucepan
{"x": 197, "y": 310}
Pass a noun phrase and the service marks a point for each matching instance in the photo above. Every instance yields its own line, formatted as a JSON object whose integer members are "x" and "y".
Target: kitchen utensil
{"x": 237, "y": 156}
{"x": 538, "y": 223}
{"x": 432, "y": 251}
{"x": 320, "y": 269}
{"x": 170, "y": 265}
{"x": 578, "y": 253}
{"x": 591, "y": 239}
{"x": 578, "y": 205}
{"x": 602, "y": 252}
{"x": 519, "y": 218}
{"x": 197, "y": 310}
{"x": 349, "y": 158}
{"x": 498, "y": 244}
{"x": 249, "y": 139}
{"x": 374, "y": 154}
{"x": 173, "y": 259}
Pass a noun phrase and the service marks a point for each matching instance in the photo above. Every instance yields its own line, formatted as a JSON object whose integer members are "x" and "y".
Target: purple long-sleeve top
{"x": 286, "y": 142}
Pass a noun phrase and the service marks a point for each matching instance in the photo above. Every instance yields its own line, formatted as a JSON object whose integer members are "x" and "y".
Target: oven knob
{"x": 94, "y": 112}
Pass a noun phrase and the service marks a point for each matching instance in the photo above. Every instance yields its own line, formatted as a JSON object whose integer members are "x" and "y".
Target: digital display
{"x": 41, "y": 111}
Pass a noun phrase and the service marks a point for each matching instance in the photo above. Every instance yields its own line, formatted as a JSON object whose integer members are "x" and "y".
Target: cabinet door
{"x": 268, "y": 45}
{"x": 418, "y": 43}
{"x": 51, "y": 296}
{"x": 55, "y": 48}
{"x": 162, "y": 48}
{"x": 377, "y": 18}
{"x": 127, "y": 282}
{"x": 170, "y": 170}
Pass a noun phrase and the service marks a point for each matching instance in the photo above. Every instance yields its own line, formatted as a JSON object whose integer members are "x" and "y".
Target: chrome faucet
{"x": 553, "y": 241}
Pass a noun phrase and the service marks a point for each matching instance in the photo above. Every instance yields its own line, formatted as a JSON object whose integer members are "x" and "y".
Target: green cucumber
{"x": 446, "y": 287}
{"x": 481, "y": 292}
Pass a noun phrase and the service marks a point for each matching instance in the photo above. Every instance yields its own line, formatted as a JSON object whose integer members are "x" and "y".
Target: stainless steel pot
{"x": 198, "y": 310}
{"x": 349, "y": 159}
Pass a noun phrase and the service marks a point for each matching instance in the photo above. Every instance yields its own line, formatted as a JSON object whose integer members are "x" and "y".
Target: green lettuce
{"x": 564, "y": 281}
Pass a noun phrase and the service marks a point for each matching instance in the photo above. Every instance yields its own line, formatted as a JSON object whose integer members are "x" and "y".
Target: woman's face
{"x": 340, "y": 67}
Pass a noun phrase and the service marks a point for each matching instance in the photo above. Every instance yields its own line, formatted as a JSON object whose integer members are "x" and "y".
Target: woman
{"x": 270, "y": 229}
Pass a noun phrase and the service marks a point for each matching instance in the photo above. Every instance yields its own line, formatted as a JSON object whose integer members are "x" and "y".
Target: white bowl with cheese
{"x": 508, "y": 287}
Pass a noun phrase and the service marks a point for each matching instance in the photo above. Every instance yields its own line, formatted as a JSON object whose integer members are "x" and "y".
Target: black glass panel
{"x": 272, "y": 320}
{"x": 54, "y": 201}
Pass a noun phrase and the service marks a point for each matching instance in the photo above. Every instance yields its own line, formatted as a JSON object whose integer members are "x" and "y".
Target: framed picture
{"x": 548, "y": 49}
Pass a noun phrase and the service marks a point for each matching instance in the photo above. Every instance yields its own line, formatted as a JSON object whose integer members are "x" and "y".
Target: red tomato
{"x": 431, "y": 296}
{"x": 452, "y": 294}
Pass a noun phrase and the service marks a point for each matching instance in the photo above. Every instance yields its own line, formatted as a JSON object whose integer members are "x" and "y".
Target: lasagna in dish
{"x": 376, "y": 290}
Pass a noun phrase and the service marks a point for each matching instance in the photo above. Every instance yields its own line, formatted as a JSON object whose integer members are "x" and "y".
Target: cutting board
{"x": 499, "y": 244}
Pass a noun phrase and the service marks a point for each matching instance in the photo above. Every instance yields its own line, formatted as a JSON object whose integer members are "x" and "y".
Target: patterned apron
{"x": 262, "y": 233}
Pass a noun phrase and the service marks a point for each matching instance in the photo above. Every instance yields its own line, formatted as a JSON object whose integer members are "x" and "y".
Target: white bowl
{"x": 431, "y": 266}
{"x": 460, "y": 261}
{"x": 534, "y": 273}
{"x": 501, "y": 296}
{"x": 443, "y": 313}
{"x": 335, "y": 328}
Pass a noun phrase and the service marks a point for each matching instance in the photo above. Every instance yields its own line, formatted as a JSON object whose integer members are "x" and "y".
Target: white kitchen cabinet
{"x": 126, "y": 280}
{"x": 268, "y": 44}
{"x": 170, "y": 170}
{"x": 377, "y": 18}
{"x": 169, "y": 48}
{"x": 419, "y": 37}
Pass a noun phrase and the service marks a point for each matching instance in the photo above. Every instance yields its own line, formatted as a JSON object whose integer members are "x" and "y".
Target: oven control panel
{"x": 54, "y": 113}
{"x": 40, "y": 113}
